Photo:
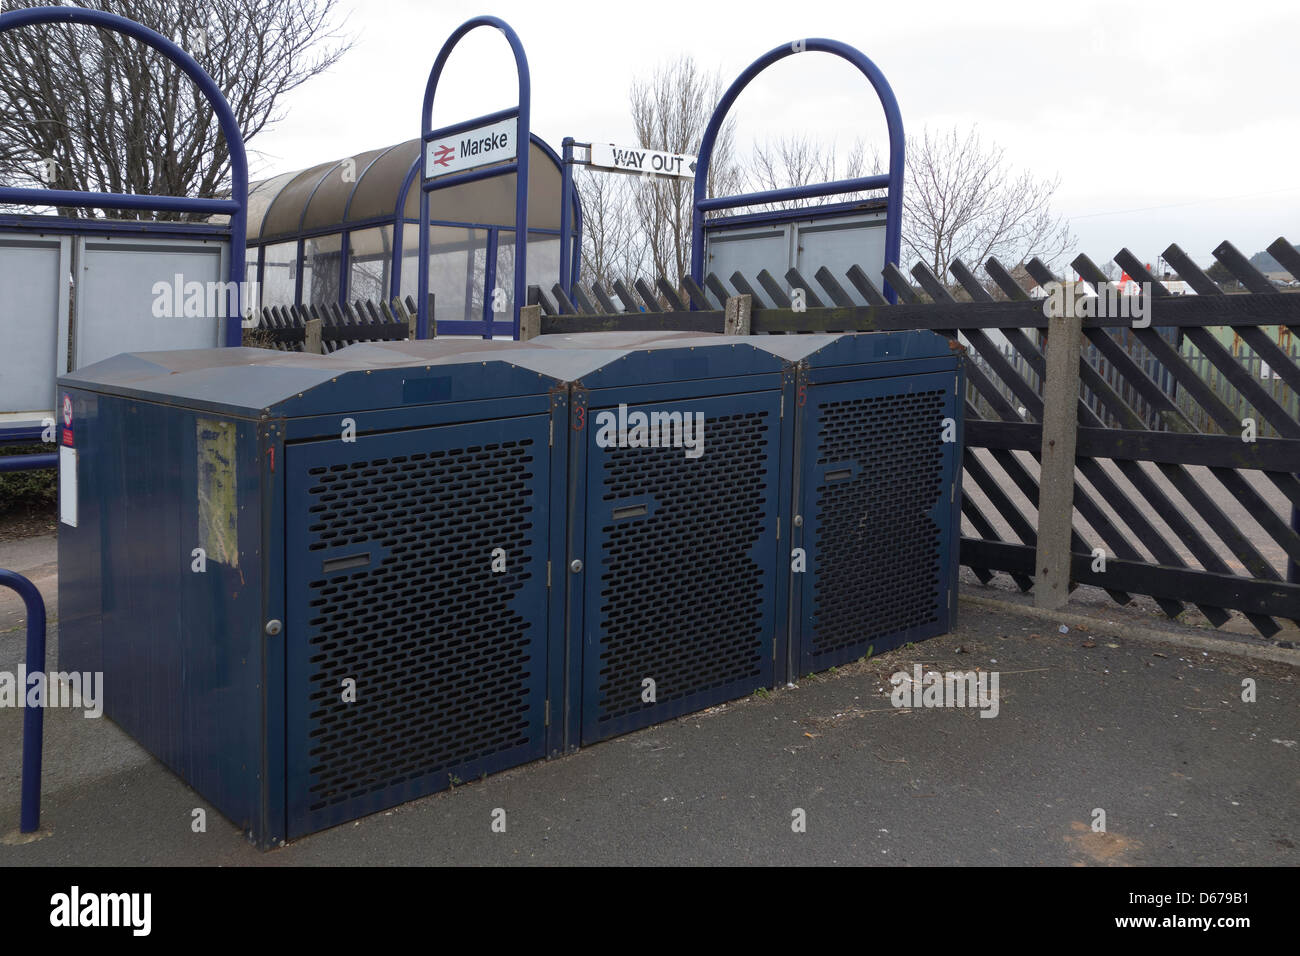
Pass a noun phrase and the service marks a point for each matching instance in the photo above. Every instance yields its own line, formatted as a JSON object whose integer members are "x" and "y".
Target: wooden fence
{"x": 321, "y": 329}
{"x": 1179, "y": 496}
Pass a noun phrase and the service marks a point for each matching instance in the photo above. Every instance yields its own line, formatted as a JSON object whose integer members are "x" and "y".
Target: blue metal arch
{"x": 519, "y": 166}
{"x": 893, "y": 181}
{"x": 236, "y": 207}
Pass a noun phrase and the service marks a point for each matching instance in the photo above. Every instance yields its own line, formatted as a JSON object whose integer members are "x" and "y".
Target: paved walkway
{"x": 1156, "y": 736}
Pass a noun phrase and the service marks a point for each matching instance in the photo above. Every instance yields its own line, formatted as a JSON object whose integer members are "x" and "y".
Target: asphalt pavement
{"x": 1108, "y": 718}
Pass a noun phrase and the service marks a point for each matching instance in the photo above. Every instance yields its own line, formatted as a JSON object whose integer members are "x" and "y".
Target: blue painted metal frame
{"x": 33, "y": 717}
{"x": 236, "y": 207}
{"x": 892, "y": 181}
{"x": 519, "y": 166}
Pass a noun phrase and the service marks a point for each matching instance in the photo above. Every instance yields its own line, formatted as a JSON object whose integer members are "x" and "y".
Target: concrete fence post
{"x": 530, "y": 322}
{"x": 311, "y": 342}
{"x": 1060, "y": 433}
{"x": 736, "y": 316}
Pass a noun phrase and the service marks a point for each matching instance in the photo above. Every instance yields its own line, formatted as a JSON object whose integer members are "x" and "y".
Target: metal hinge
{"x": 550, "y": 441}
{"x": 547, "y": 721}
{"x": 548, "y": 572}
{"x": 782, "y": 405}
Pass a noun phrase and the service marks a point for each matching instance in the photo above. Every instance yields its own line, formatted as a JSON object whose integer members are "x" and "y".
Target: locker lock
{"x": 272, "y": 627}
{"x": 575, "y": 565}
{"x": 798, "y": 521}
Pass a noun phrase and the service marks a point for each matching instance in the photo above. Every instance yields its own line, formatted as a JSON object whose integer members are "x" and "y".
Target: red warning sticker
{"x": 67, "y": 420}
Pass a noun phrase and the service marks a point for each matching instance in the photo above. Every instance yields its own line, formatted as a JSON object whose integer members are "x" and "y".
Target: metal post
{"x": 1060, "y": 433}
{"x": 490, "y": 283}
{"x": 33, "y": 717}
{"x": 566, "y": 215}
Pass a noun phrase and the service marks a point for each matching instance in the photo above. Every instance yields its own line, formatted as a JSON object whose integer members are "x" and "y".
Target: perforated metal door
{"x": 680, "y": 566}
{"x": 876, "y": 489}
{"x": 391, "y": 584}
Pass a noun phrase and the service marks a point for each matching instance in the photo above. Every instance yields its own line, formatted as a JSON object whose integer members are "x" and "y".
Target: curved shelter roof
{"x": 383, "y": 184}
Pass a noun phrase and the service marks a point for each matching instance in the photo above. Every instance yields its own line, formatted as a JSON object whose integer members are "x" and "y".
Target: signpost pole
{"x": 566, "y": 215}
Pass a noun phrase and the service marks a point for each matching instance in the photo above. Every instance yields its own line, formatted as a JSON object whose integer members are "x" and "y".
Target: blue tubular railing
{"x": 33, "y": 717}
{"x": 26, "y": 435}
{"x": 10, "y": 463}
{"x": 236, "y": 206}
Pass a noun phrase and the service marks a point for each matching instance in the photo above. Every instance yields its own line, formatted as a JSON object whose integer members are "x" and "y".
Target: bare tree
{"x": 799, "y": 161}
{"x": 962, "y": 200}
{"x": 613, "y": 246}
{"x": 92, "y": 110}
{"x": 670, "y": 110}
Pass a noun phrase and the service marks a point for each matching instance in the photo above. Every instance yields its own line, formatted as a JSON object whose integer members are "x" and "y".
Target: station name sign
{"x": 628, "y": 159}
{"x": 482, "y": 146}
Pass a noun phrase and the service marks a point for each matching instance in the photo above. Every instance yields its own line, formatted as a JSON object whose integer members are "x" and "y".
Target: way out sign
{"x": 626, "y": 159}
{"x": 472, "y": 148}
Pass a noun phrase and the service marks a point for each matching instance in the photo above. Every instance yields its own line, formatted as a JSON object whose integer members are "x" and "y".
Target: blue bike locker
{"x": 675, "y": 596}
{"x": 375, "y": 619}
{"x": 877, "y": 497}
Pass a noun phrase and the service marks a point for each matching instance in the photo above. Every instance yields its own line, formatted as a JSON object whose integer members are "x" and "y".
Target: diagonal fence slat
{"x": 797, "y": 281}
{"x": 742, "y": 286}
{"x": 581, "y": 300}
{"x": 866, "y": 288}
{"x": 606, "y": 303}
{"x": 647, "y": 295}
{"x": 669, "y": 295}
{"x": 717, "y": 287}
{"x": 833, "y": 288}
{"x": 699, "y": 298}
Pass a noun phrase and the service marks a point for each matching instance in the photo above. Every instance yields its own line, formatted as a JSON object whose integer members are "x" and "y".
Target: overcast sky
{"x": 1167, "y": 122}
